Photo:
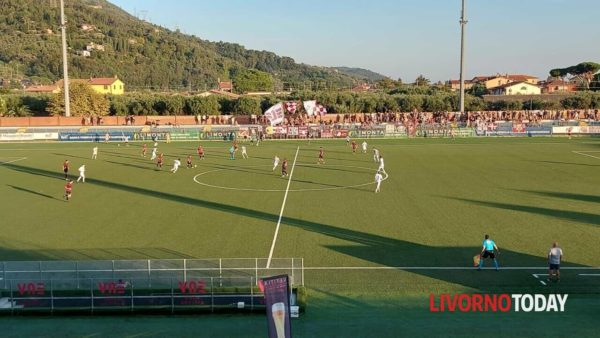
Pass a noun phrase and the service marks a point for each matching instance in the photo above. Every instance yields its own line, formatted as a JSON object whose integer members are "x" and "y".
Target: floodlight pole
{"x": 463, "y": 23}
{"x": 63, "y": 28}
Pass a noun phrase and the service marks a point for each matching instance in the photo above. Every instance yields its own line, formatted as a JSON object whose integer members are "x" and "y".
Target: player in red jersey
{"x": 200, "y": 152}
{"x": 354, "y": 146}
{"x": 68, "y": 189}
{"x": 321, "y": 156}
{"x": 144, "y": 150}
{"x": 66, "y": 168}
{"x": 159, "y": 160}
{"x": 284, "y": 166}
{"x": 189, "y": 162}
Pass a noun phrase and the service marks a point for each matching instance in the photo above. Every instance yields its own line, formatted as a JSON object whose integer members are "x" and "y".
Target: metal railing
{"x": 150, "y": 269}
{"x": 167, "y": 294}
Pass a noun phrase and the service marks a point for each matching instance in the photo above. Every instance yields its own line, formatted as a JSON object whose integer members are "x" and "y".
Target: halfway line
{"x": 282, "y": 208}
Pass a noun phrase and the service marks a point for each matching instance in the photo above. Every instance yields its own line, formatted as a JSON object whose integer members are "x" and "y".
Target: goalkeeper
{"x": 490, "y": 250}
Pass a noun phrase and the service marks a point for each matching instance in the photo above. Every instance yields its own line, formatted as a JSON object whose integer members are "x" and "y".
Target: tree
{"x": 3, "y": 108}
{"x": 202, "y": 105}
{"x": 388, "y": 83}
{"x": 584, "y": 70}
{"x": 84, "y": 101}
{"x": 248, "y": 80}
{"x": 478, "y": 89}
{"x": 247, "y": 106}
{"x": 422, "y": 81}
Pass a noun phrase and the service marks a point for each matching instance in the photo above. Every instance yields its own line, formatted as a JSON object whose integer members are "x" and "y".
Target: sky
{"x": 397, "y": 38}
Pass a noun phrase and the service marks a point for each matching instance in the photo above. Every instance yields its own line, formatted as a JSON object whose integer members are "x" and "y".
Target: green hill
{"x": 143, "y": 54}
{"x": 361, "y": 73}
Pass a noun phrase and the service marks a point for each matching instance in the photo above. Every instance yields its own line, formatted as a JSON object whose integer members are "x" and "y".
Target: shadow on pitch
{"x": 67, "y": 156}
{"x": 582, "y": 217}
{"x": 35, "y": 193}
{"x": 90, "y": 254}
{"x": 563, "y": 195}
{"x": 569, "y": 163}
{"x": 364, "y": 246}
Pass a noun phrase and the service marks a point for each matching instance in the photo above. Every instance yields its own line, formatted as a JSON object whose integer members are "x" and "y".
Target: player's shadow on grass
{"x": 364, "y": 246}
{"x": 66, "y": 156}
{"x": 35, "y": 193}
{"x": 563, "y": 195}
{"x": 149, "y": 166}
{"x": 569, "y": 163}
{"x": 578, "y": 216}
{"x": 332, "y": 167}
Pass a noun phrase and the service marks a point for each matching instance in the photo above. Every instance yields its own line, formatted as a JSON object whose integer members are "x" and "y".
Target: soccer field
{"x": 371, "y": 259}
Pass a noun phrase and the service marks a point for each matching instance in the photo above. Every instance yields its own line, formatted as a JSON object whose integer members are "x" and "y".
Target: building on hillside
{"x": 225, "y": 86}
{"x": 49, "y": 89}
{"x": 102, "y": 85}
{"x": 87, "y": 27}
{"x": 558, "y": 86}
{"x": 220, "y": 92}
{"x": 502, "y": 79}
{"x": 92, "y": 46}
{"x": 455, "y": 84}
{"x": 107, "y": 85}
{"x": 516, "y": 88}
{"x": 363, "y": 87}
{"x": 84, "y": 53}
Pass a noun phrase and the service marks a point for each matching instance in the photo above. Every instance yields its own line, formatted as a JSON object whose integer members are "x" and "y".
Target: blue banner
{"x": 95, "y": 137}
{"x": 277, "y": 300}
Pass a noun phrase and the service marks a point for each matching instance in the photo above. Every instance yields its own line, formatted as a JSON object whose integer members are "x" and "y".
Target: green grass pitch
{"x": 439, "y": 200}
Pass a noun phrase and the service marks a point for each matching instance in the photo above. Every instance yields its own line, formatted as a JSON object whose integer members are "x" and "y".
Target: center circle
{"x": 197, "y": 180}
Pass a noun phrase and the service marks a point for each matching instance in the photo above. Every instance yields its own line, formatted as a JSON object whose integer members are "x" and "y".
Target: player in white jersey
{"x": 375, "y": 155}
{"x": 364, "y": 147}
{"x": 244, "y": 154}
{"x": 176, "y": 165}
{"x": 153, "y": 157}
{"x": 381, "y": 165}
{"x": 81, "y": 173}
{"x": 378, "y": 179}
{"x": 275, "y": 162}
{"x": 95, "y": 153}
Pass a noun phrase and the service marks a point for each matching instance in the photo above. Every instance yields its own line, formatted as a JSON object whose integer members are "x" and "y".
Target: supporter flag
{"x": 310, "y": 107}
{"x": 320, "y": 110}
{"x": 275, "y": 114}
{"x": 277, "y": 296}
{"x": 290, "y": 107}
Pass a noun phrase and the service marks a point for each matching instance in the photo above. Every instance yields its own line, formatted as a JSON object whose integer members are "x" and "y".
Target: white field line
{"x": 282, "y": 208}
{"x": 442, "y": 268}
{"x": 536, "y": 275}
{"x": 584, "y": 154}
{"x": 19, "y": 159}
{"x": 589, "y": 274}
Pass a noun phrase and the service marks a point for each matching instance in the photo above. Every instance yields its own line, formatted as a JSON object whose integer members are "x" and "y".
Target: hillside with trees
{"x": 104, "y": 41}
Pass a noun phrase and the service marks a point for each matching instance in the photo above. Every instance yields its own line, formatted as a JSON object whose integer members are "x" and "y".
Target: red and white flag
{"x": 290, "y": 106}
{"x": 310, "y": 107}
{"x": 275, "y": 114}
{"x": 320, "y": 110}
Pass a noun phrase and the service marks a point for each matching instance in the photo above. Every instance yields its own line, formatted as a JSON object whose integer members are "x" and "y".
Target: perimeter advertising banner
{"x": 94, "y": 137}
{"x": 277, "y": 301}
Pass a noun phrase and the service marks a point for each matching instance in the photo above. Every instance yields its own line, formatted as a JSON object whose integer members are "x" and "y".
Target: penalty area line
{"x": 584, "y": 154}
{"x": 287, "y": 190}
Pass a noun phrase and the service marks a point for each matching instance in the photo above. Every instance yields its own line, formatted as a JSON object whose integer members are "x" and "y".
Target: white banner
{"x": 16, "y": 137}
{"x": 310, "y": 107}
{"x": 566, "y": 130}
{"x": 275, "y": 114}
